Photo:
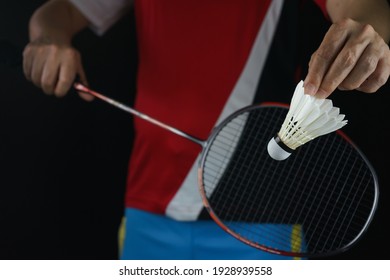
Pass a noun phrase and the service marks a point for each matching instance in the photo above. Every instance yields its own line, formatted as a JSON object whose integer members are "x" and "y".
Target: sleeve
{"x": 322, "y": 5}
{"x": 102, "y": 14}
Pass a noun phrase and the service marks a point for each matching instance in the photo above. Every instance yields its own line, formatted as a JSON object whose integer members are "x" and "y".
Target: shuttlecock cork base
{"x": 278, "y": 150}
{"x": 307, "y": 118}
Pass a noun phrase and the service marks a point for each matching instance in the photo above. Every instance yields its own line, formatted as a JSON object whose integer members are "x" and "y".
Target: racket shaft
{"x": 81, "y": 88}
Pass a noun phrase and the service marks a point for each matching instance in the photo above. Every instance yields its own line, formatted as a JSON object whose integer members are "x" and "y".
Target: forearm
{"x": 56, "y": 20}
{"x": 373, "y": 12}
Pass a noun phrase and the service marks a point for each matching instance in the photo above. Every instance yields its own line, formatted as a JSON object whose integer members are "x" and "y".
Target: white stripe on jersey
{"x": 187, "y": 203}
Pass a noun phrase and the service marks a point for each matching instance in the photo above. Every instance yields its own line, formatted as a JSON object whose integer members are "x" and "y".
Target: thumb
{"x": 83, "y": 79}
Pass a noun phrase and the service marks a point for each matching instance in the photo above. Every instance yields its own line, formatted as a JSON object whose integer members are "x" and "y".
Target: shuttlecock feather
{"x": 307, "y": 118}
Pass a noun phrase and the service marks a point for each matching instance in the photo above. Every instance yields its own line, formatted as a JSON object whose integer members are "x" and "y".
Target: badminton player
{"x": 199, "y": 61}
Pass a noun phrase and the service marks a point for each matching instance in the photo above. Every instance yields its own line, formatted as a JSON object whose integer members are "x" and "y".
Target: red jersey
{"x": 199, "y": 61}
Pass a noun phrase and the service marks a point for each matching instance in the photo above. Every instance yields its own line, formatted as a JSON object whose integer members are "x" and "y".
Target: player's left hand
{"x": 351, "y": 56}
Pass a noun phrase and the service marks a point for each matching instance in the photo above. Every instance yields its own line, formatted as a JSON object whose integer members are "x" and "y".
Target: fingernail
{"x": 310, "y": 89}
{"x": 321, "y": 94}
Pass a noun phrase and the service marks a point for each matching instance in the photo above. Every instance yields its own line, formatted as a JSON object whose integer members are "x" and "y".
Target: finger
{"x": 346, "y": 61}
{"x": 83, "y": 80}
{"x": 377, "y": 79}
{"x": 322, "y": 59}
{"x": 36, "y": 70}
{"x": 86, "y": 96}
{"x": 27, "y": 62}
{"x": 365, "y": 66}
{"x": 50, "y": 75}
{"x": 66, "y": 76}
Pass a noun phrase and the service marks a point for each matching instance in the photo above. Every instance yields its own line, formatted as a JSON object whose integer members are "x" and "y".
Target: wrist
{"x": 47, "y": 37}
{"x": 50, "y": 26}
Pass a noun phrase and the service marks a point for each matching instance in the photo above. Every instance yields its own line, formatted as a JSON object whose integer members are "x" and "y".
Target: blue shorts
{"x": 150, "y": 236}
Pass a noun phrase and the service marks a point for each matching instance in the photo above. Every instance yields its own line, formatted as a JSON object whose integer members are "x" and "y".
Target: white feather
{"x": 308, "y": 118}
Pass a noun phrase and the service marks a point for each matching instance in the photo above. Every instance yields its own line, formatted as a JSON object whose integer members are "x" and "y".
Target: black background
{"x": 63, "y": 161}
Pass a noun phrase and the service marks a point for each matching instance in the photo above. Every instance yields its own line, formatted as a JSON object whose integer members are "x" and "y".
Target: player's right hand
{"x": 53, "y": 67}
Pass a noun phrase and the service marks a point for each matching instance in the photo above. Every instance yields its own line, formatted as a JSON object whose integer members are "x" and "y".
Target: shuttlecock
{"x": 307, "y": 118}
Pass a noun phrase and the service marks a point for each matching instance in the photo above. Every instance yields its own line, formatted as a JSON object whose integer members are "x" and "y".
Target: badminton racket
{"x": 317, "y": 203}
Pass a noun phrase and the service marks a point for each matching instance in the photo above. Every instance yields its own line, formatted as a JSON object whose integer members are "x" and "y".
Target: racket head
{"x": 316, "y": 203}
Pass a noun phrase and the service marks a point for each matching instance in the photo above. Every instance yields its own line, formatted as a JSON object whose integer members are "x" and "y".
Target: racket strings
{"x": 352, "y": 210}
{"x": 235, "y": 174}
{"x": 343, "y": 221}
{"x": 318, "y": 203}
{"x": 277, "y": 214}
{"x": 287, "y": 199}
{"x": 302, "y": 192}
{"x": 328, "y": 224}
{"x": 284, "y": 194}
{"x": 224, "y": 145}
{"x": 250, "y": 145}
{"x": 324, "y": 191}
{"x": 262, "y": 182}
{"x": 230, "y": 211}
